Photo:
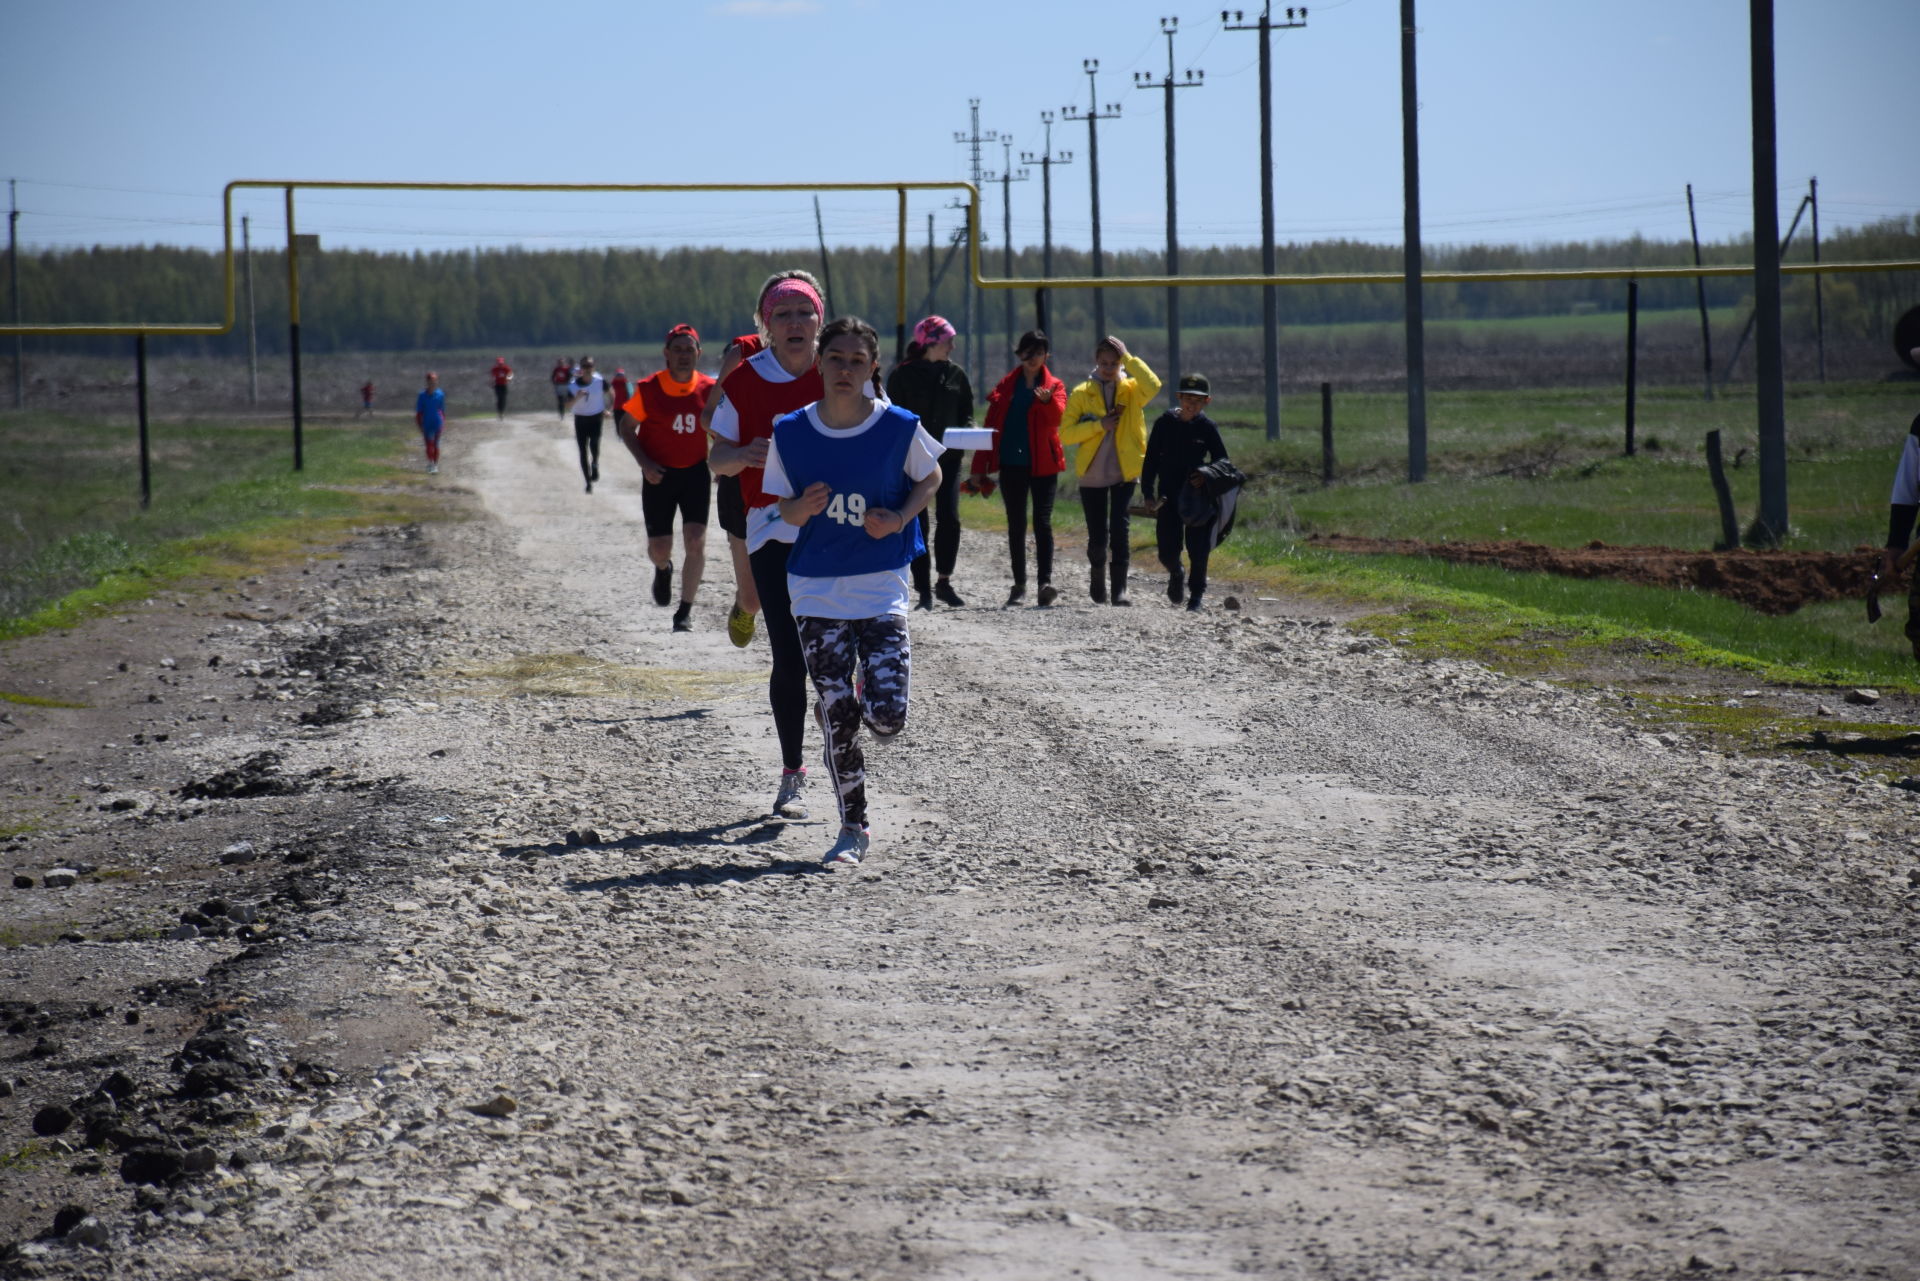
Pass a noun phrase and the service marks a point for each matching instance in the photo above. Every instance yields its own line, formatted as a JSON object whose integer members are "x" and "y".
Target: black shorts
{"x": 684, "y": 490}
{"x": 733, "y": 507}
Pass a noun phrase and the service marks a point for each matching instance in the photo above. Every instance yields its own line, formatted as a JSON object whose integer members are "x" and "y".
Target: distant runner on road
{"x": 502, "y": 374}
{"x": 366, "y": 400}
{"x": 430, "y": 415}
{"x": 732, "y": 510}
{"x": 562, "y": 378}
{"x": 589, "y": 409}
{"x": 660, "y": 426}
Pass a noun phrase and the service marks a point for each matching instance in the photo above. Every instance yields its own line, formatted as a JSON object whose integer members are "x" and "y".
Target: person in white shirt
{"x": 589, "y": 409}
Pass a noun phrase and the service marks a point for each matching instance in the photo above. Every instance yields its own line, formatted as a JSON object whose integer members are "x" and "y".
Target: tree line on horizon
{"x": 515, "y": 298}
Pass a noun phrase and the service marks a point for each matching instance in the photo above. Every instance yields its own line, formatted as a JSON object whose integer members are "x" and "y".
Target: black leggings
{"x": 500, "y": 398}
{"x": 1016, "y": 483}
{"x": 1106, "y": 509}
{"x": 1172, "y": 533}
{"x": 787, "y": 683}
{"x": 945, "y": 539}
{"x": 586, "y": 434}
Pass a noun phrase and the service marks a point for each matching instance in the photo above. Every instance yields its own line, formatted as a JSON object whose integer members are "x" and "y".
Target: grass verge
{"x": 225, "y": 503}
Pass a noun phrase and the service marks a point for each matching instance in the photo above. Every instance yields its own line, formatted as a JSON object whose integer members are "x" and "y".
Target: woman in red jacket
{"x": 1025, "y": 411}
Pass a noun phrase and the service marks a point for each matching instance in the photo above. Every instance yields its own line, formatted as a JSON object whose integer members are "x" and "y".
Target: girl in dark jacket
{"x": 1025, "y": 410}
{"x": 930, "y": 386}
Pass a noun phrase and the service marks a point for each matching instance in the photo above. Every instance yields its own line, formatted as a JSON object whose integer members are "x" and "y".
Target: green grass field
{"x": 1547, "y": 467}
{"x": 225, "y": 497}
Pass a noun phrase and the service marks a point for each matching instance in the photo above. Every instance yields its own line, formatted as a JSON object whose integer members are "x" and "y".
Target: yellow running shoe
{"x": 740, "y": 627}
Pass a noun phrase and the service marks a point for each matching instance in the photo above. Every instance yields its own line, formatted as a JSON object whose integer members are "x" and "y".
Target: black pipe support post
{"x": 140, "y": 380}
{"x": 293, "y": 336}
{"x": 1633, "y": 354}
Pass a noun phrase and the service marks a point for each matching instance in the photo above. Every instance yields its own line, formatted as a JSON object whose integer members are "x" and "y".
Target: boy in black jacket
{"x": 1182, "y": 442}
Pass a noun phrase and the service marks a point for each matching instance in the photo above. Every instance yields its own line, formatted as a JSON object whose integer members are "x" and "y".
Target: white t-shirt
{"x": 596, "y": 393}
{"x": 885, "y": 591}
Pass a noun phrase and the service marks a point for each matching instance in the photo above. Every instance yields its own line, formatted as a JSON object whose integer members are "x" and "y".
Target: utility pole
{"x": 1046, "y": 160}
{"x": 1770, "y": 392}
{"x": 253, "y": 339}
{"x": 1700, "y": 292}
{"x": 1819, "y": 303}
{"x": 1006, "y": 178}
{"x": 826, "y": 267}
{"x": 1093, "y": 116}
{"x": 1416, "y": 315}
{"x": 975, "y": 305}
{"x": 13, "y": 290}
{"x": 1269, "y": 296}
{"x": 1144, "y": 80}
{"x": 928, "y": 310}
{"x": 970, "y": 299}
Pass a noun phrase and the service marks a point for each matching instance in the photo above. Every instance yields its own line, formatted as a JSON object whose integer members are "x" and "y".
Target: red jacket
{"x": 1043, "y": 424}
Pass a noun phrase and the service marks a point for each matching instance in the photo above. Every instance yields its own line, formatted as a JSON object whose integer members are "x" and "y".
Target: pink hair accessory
{"x": 934, "y": 329}
{"x": 791, "y": 287}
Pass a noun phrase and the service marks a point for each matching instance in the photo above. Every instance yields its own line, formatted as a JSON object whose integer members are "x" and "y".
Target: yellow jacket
{"x": 1080, "y": 425}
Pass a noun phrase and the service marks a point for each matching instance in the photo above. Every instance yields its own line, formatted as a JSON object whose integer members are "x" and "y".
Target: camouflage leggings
{"x": 875, "y": 651}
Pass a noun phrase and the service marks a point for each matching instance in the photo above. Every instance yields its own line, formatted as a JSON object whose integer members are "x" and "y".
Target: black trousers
{"x": 499, "y": 398}
{"x": 1016, "y": 483}
{"x": 787, "y": 683}
{"x": 945, "y": 522}
{"x": 1107, "y": 524}
{"x": 586, "y": 434}
{"x": 1172, "y": 533}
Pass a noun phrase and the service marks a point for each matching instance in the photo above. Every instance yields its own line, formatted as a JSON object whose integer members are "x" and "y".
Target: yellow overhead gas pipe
{"x": 973, "y": 252}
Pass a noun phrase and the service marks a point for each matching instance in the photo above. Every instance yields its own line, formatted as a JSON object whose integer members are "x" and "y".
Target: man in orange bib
{"x": 662, "y": 429}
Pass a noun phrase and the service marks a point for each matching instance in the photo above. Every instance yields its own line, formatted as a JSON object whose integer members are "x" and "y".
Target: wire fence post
{"x": 1326, "y": 434}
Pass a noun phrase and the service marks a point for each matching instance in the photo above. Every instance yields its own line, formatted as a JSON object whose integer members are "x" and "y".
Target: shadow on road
{"x": 744, "y": 832}
{"x": 699, "y": 874}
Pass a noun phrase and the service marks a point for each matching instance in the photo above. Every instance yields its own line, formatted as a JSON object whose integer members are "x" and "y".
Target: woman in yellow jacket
{"x": 1106, "y": 418}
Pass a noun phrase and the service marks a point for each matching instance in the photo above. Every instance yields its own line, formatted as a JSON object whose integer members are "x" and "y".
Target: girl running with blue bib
{"x": 852, "y": 473}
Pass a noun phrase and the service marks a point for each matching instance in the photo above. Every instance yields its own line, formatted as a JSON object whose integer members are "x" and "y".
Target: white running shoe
{"x": 788, "y": 803}
{"x": 849, "y": 849}
{"x": 433, "y": 469}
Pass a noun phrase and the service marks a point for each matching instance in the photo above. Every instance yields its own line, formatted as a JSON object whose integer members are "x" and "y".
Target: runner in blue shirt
{"x": 853, "y": 473}
{"x": 430, "y": 415}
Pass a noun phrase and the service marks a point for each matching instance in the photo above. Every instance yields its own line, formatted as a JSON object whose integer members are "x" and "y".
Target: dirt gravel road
{"x": 1190, "y": 946}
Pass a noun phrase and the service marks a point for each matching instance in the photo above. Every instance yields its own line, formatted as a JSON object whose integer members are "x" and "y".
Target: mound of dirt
{"x": 1767, "y": 581}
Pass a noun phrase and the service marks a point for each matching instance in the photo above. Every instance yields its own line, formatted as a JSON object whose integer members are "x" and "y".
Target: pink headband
{"x": 790, "y": 287}
{"x": 934, "y": 329}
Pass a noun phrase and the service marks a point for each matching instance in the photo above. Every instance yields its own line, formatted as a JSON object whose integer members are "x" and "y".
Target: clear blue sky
{"x": 1541, "y": 120}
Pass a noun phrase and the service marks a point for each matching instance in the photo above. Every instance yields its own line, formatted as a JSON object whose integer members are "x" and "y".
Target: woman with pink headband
{"x": 772, "y": 383}
{"x": 930, "y": 385}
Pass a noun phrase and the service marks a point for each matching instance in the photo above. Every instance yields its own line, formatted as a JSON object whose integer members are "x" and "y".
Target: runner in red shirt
{"x": 502, "y": 374}
{"x": 774, "y": 382}
{"x": 660, "y": 425}
{"x": 621, "y": 391}
{"x": 561, "y": 378}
